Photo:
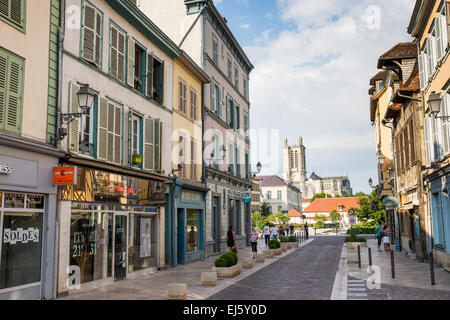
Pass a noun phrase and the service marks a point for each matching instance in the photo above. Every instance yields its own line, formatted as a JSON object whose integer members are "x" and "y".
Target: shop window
{"x": 142, "y": 242}
{"x": 21, "y": 245}
{"x": 193, "y": 230}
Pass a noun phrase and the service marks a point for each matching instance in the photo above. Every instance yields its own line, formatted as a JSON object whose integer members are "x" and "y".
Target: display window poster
{"x": 145, "y": 237}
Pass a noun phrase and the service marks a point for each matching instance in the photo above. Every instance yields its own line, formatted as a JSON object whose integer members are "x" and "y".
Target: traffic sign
{"x": 351, "y": 212}
{"x": 352, "y": 220}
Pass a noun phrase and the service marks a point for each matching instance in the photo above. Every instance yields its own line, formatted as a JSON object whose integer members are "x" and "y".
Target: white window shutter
{"x": 445, "y": 125}
{"x": 149, "y": 144}
{"x": 422, "y": 71}
{"x": 98, "y": 39}
{"x": 444, "y": 32}
{"x": 110, "y": 137}
{"x": 130, "y": 135}
{"x": 213, "y": 97}
{"x": 149, "y": 79}
{"x": 157, "y": 135}
{"x": 102, "y": 149}
{"x": 439, "y": 45}
{"x": 121, "y": 57}
{"x": 89, "y": 31}
{"x": 117, "y": 135}
{"x": 130, "y": 58}
{"x": 74, "y": 143}
{"x": 426, "y": 124}
{"x": 113, "y": 65}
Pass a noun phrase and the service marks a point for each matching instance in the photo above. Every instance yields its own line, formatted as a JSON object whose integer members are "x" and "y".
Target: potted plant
{"x": 275, "y": 246}
{"x": 353, "y": 239}
{"x": 136, "y": 159}
{"x": 227, "y": 265}
{"x": 284, "y": 243}
{"x": 292, "y": 241}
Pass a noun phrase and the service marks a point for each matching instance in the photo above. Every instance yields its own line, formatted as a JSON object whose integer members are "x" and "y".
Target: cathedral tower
{"x": 294, "y": 161}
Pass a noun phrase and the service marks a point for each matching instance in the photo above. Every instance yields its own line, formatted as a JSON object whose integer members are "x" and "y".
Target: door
{"x": 181, "y": 236}
{"x": 216, "y": 224}
{"x": 412, "y": 232}
{"x": 120, "y": 247}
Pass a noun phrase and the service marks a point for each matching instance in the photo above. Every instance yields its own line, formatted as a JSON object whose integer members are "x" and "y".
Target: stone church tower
{"x": 294, "y": 164}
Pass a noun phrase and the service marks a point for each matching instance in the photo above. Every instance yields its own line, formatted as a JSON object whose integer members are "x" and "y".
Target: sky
{"x": 313, "y": 61}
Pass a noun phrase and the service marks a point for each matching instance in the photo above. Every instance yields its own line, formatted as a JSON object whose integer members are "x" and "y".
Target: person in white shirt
{"x": 274, "y": 231}
{"x": 267, "y": 233}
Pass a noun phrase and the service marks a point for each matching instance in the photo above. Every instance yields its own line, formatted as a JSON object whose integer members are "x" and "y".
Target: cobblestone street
{"x": 306, "y": 274}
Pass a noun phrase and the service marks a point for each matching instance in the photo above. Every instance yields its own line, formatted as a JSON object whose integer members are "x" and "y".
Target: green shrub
{"x": 292, "y": 239}
{"x": 360, "y": 230}
{"x": 283, "y": 239}
{"x": 274, "y": 244}
{"x": 220, "y": 263}
{"x": 229, "y": 258}
{"x": 235, "y": 257}
{"x": 355, "y": 239}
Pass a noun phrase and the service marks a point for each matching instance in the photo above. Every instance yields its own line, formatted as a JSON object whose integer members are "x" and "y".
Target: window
{"x": 11, "y": 91}
{"x": 117, "y": 53}
{"x": 245, "y": 82}
{"x": 238, "y": 118}
{"x": 247, "y": 167}
{"x": 246, "y": 124}
{"x": 13, "y": 12}
{"x": 193, "y": 218}
{"x": 442, "y": 24}
{"x": 86, "y": 131}
{"x": 231, "y": 159}
{"x": 230, "y": 112}
{"x": 215, "y": 47}
{"x": 279, "y": 194}
{"x": 182, "y": 96}
{"x": 157, "y": 83}
{"x": 215, "y": 99}
{"x": 136, "y": 135}
{"x": 222, "y": 53}
{"x": 439, "y": 204}
{"x": 238, "y": 162}
{"x": 110, "y": 131}
{"x": 236, "y": 76}
{"x": 92, "y": 34}
{"x": 230, "y": 67}
{"x": 139, "y": 68}
{"x": 280, "y": 208}
{"x": 269, "y": 195}
{"x": 193, "y": 104}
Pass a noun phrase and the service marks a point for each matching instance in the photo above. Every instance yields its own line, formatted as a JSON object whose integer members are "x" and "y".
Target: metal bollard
{"x": 315, "y": 231}
{"x": 433, "y": 280}
{"x": 392, "y": 264}
{"x": 370, "y": 257}
{"x": 359, "y": 257}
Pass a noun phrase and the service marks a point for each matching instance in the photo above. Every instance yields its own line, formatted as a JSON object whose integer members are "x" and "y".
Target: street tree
{"x": 319, "y": 221}
{"x": 335, "y": 216}
{"x": 278, "y": 218}
{"x": 366, "y": 214}
{"x": 258, "y": 220}
{"x": 265, "y": 209}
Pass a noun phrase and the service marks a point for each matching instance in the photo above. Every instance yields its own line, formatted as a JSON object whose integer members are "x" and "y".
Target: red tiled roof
{"x": 306, "y": 200}
{"x": 330, "y": 204}
{"x": 294, "y": 213}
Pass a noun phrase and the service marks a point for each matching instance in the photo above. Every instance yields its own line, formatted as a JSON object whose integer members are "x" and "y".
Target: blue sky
{"x": 313, "y": 61}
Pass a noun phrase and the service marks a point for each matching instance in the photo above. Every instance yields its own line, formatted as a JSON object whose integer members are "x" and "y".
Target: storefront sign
{"x": 246, "y": 197}
{"x": 6, "y": 168}
{"x": 390, "y": 202}
{"x": 64, "y": 176}
{"x": 20, "y": 235}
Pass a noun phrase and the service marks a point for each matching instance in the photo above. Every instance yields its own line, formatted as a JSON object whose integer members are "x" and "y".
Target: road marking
{"x": 356, "y": 289}
{"x": 357, "y": 294}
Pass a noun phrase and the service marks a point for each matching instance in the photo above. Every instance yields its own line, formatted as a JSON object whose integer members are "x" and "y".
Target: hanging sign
{"x": 246, "y": 197}
{"x": 64, "y": 176}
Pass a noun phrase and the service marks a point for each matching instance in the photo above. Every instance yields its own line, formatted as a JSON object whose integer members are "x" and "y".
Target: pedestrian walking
{"x": 282, "y": 231}
{"x": 306, "y": 230}
{"x": 254, "y": 242}
{"x": 378, "y": 232}
{"x": 386, "y": 240}
{"x": 230, "y": 239}
{"x": 266, "y": 232}
{"x": 274, "y": 232}
{"x": 287, "y": 229}
{"x": 291, "y": 229}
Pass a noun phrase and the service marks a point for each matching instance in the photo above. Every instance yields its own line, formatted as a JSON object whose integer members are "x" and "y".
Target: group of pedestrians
{"x": 382, "y": 234}
{"x": 275, "y": 232}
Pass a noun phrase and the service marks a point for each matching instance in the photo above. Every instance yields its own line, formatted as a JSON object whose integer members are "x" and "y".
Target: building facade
{"x": 112, "y": 222}
{"x": 324, "y": 206}
{"x": 257, "y": 196}
{"x": 430, "y": 26}
{"x": 202, "y": 32}
{"x": 280, "y": 195}
{"x": 28, "y": 153}
{"x": 334, "y": 186}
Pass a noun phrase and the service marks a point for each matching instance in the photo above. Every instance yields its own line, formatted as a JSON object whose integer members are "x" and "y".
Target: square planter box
{"x": 276, "y": 252}
{"x": 228, "y": 272}
{"x": 269, "y": 253}
{"x": 295, "y": 244}
{"x": 284, "y": 246}
{"x": 361, "y": 244}
{"x": 291, "y": 245}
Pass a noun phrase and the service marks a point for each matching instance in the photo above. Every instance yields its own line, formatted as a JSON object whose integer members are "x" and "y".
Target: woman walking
{"x": 386, "y": 240}
{"x": 254, "y": 242}
{"x": 230, "y": 239}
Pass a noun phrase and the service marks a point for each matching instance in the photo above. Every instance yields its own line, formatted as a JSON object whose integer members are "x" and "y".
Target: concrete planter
{"x": 356, "y": 244}
{"x": 248, "y": 263}
{"x": 268, "y": 253}
{"x": 276, "y": 252}
{"x": 284, "y": 246}
{"x": 295, "y": 244}
{"x": 208, "y": 279}
{"x": 260, "y": 257}
{"x": 176, "y": 291}
{"x": 228, "y": 272}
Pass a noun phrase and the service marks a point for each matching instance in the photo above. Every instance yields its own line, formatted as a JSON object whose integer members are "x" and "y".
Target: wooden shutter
{"x": 180, "y": 96}
{"x": 149, "y": 144}
{"x": 412, "y": 140}
{"x": 443, "y": 31}
{"x": 426, "y": 127}
{"x": 158, "y": 134}
{"x": 438, "y": 43}
{"x": 16, "y": 10}
{"x": 445, "y": 124}
{"x": 191, "y": 103}
{"x": 74, "y": 143}
{"x": 407, "y": 146}
{"x": 4, "y": 7}
{"x": 89, "y": 31}
{"x": 14, "y": 92}
{"x": 160, "y": 87}
{"x": 103, "y": 130}
{"x": 422, "y": 71}
{"x": 150, "y": 70}
{"x": 121, "y": 57}
{"x": 98, "y": 39}
{"x": 213, "y": 97}
{"x": 130, "y": 135}
{"x": 192, "y": 159}
{"x": 3, "y": 73}
{"x": 195, "y": 106}
{"x": 447, "y": 21}
{"x": 131, "y": 53}
{"x": 118, "y": 135}
{"x": 110, "y": 136}
{"x": 113, "y": 52}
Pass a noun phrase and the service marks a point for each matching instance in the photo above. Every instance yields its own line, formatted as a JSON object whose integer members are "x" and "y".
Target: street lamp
{"x": 86, "y": 98}
{"x": 434, "y": 103}
{"x": 258, "y": 168}
{"x": 370, "y": 182}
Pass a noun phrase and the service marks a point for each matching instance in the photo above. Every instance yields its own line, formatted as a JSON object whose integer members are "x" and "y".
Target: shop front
{"x": 27, "y": 223}
{"x": 113, "y": 224}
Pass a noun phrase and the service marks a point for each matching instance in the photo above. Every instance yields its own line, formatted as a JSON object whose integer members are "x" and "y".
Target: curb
{"x": 340, "y": 282}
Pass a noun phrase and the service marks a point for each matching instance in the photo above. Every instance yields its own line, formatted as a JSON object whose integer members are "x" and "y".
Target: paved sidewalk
{"x": 412, "y": 278}
{"x": 153, "y": 286}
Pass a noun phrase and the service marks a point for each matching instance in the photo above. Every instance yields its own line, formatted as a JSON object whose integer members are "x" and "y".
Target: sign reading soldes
{"x": 20, "y": 235}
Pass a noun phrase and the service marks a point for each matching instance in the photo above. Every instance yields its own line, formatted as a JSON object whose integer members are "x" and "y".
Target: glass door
{"x": 120, "y": 247}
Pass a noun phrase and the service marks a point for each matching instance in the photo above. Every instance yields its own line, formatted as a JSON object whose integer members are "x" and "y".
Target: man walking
{"x": 291, "y": 227}
{"x": 306, "y": 230}
{"x": 267, "y": 233}
{"x": 274, "y": 233}
{"x": 379, "y": 228}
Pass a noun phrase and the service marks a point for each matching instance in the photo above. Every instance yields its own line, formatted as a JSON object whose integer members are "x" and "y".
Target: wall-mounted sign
{"x": 6, "y": 168}
{"x": 390, "y": 202}
{"x": 21, "y": 235}
{"x": 246, "y": 197}
{"x": 64, "y": 176}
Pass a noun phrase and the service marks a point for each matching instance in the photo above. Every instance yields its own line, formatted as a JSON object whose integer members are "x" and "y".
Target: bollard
{"x": 359, "y": 257}
{"x": 433, "y": 280}
{"x": 315, "y": 231}
{"x": 370, "y": 257}
{"x": 392, "y": 264}
{"x": 336, "y": 231}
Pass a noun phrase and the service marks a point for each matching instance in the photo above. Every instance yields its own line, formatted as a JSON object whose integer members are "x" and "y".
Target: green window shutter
{"x": 150, "y": 76}
{"x": 131, "y": 53}
{"x": 89, "y": 31}
{"x": 3, "y": 72}
{"x": 149, "y": 144}
{"x": 16, "y": 10}
{"x": 74, "y": 125}
{"x": 103, "y": 130}
{"x": 4, "y": 8}
{"x": 14, "y": 95}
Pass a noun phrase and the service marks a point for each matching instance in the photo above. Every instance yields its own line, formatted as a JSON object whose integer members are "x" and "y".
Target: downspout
{"x": 62, "y": 9}
{"x": 192, "y": 26}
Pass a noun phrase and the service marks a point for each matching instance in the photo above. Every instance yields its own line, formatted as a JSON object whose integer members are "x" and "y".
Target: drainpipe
{"x": 62, "y": 10}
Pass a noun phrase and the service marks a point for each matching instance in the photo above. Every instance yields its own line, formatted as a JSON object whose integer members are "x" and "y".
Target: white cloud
{"x": 312, "y": 80}
{"x": 245, "y": 26}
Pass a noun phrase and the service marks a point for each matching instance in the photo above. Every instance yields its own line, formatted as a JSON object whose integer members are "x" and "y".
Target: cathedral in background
{"x": 294, "y": 161}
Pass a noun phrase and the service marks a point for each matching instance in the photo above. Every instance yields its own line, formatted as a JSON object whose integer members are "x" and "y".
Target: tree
{"x": 258, "y": 220}
{"x": 360, "y": 194}
{"x": 335, "y": 216}
{"x": 278, "y": 218}
{"x": 266, "y": 209}
{"x": 321, "y": 196}
{"x": 319, "y": 220}
{"x": 365, "y": 213}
